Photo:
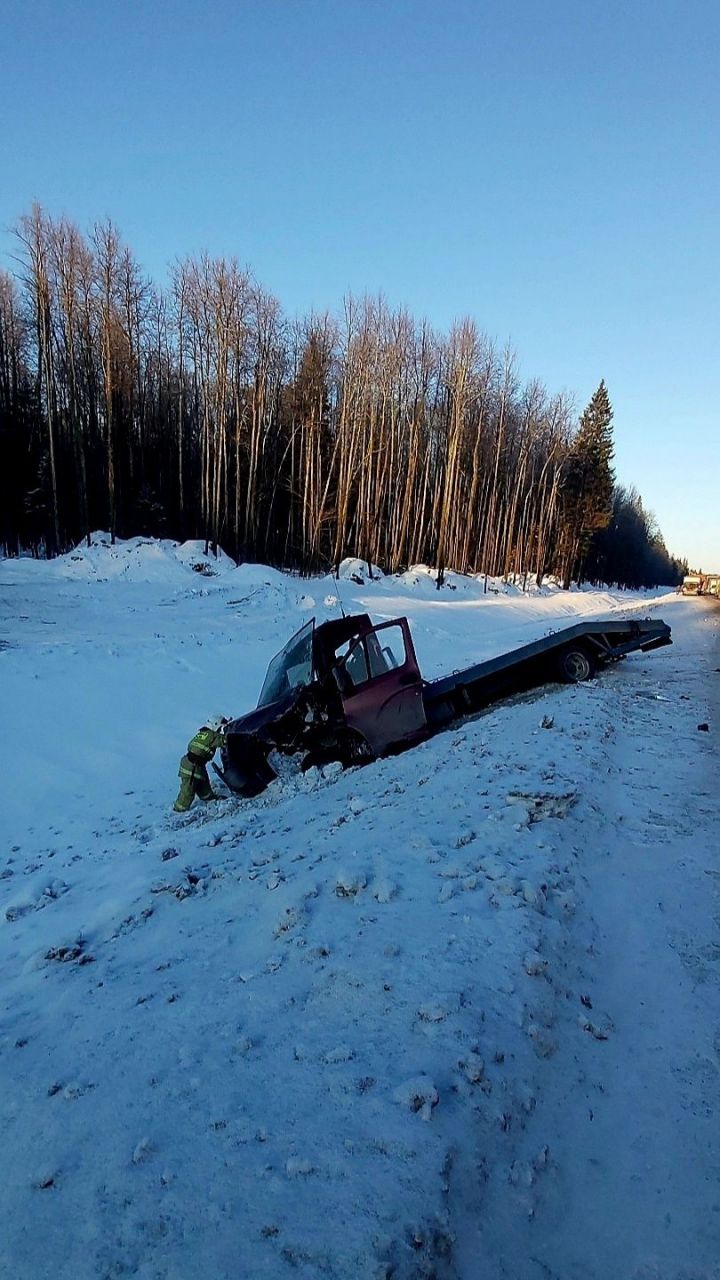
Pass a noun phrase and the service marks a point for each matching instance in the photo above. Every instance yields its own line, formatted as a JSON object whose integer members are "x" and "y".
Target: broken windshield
{"x": 291, "y": 668}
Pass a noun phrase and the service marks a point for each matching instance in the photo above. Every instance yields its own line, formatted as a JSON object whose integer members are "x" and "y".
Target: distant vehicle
{"x": 701, "y": 584}
{"x": 349, "y": 691}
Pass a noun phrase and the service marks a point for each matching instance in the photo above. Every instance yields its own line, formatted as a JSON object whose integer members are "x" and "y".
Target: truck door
{"x": 382, "y": 687}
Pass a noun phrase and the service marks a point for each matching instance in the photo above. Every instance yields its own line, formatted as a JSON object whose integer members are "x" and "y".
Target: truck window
{"x": 290, "y": 668}
{"x": 372, "y": 656}
{"x": 352, "y": 661}
{"x": 386, "y": 650}
{"x": 356, "y": 664}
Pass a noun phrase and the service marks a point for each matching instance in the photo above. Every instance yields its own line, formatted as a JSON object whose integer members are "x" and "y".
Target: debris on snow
{"x": 534, "y": 963}
{"x": 432, "y": 1013}
{"x": 288, "y": 920}
{"x": 534, "y": 897}
{"x": 349, "y": 883}
{"x": 142, "y": 1151}
{"x": 545, "y": 805}
{"x": 544, "y": 1044}
{"x": 418, "y": 1095}
{"x": 597, "y": 1031}
{"x": 472, "y": 1067}
{"x": 72, "y": 953}
{"x": 384, "y": 890}
{"x": 342, "y": 1053}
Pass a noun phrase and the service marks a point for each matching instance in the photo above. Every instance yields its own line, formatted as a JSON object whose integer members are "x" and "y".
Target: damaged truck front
{"x": 350, "y": 691}
{"x": 344, "y": 690}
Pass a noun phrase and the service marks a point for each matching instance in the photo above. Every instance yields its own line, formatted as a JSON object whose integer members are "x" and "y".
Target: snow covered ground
{"x": 456, "y": 1014}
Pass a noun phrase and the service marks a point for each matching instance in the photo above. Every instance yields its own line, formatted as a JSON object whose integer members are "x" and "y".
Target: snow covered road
{"x": 456, "y": 1014}
{"x": 630, "y": 1108}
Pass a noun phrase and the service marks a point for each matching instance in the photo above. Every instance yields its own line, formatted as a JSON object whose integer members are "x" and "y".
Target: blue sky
{"x": 550, "y": 167}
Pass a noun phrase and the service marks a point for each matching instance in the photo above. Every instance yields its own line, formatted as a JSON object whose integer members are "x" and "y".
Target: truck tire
{"x": 575, "y": 664}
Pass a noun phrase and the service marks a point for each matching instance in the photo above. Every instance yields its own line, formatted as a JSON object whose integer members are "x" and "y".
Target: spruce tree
{"x": 588, "y": 482}
{"x": 587, "y": 489}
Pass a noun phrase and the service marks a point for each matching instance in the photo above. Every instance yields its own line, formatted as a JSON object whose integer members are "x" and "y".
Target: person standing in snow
{"x": 193, "y": 772}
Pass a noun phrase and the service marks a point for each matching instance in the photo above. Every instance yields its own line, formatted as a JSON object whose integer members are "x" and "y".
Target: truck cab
{"x": 345, "y": 690}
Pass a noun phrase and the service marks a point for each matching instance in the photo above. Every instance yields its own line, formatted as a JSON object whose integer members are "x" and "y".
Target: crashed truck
{"x": 351, "y": 691}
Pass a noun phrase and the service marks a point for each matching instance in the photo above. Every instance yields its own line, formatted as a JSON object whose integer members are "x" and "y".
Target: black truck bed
{"x": 532, "y": 664}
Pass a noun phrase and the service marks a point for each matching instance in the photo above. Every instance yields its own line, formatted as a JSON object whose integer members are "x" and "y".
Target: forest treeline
{"x": 201, "y": 411}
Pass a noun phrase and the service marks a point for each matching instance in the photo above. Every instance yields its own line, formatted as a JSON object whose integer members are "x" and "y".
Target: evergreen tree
{"x": 587, "y": 483}
{"x": 631, "y": 551}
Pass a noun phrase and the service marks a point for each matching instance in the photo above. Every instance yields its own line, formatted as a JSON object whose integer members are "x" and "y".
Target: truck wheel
{"x": 575, "y": 665}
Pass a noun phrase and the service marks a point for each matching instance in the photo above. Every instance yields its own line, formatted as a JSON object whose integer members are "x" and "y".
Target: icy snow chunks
{"x": 296, "y": 1167}
{"x": 544, "y": 805}
{"x": 383, "y": 890}
{"x": 143, "y": 1151}
{"x": 432, "y": 1013}
{"x": 34, "y": 898}
{"x": 599, "y": 1031}
{"x": 73, "y": 953}
{"x": 194, "y": 881}
{"x": 348, "y": 883}
{"x": 419, "y": 1095}
{"x": 534, "y": 963}
{"x": 472, "y": 1067}
{"x": 289, "y": 918}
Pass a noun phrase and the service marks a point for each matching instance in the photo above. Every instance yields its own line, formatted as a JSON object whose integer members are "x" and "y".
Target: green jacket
{"x": 203, "y": 746}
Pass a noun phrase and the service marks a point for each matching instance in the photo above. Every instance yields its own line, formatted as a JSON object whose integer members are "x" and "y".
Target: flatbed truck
{"x": 351, "y": 690}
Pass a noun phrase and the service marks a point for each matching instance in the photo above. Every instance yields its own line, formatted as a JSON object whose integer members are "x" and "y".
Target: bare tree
{"x": 201, "y": 412}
